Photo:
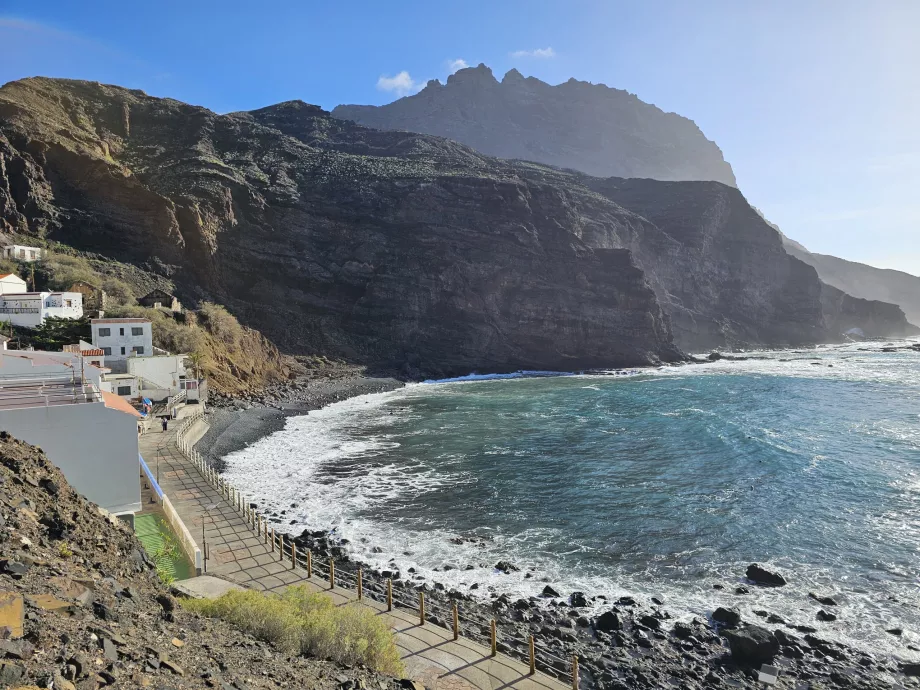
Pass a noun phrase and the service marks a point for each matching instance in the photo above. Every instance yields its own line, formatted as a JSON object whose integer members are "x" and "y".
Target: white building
{"x": 123, "y": 385}
{"x": 10, "y": 282}
{"x": 20, "y": 252}
{"x": 123, "y": 338}
{"x": 90, "y": 435}
{"x": 30, "y": 309}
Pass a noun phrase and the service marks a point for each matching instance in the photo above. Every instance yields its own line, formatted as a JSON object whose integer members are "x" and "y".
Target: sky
{"x": 815, "y": 103}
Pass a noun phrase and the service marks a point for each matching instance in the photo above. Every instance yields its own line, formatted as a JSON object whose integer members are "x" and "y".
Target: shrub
{"x": 118, "y": 291}
{"x": 64, "y": 270}
{"x": 300, "y": 621}
{"x": 219, "y": 322}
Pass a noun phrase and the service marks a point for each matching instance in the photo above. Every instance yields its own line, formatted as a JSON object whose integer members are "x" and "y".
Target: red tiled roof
{"x": 94, "y": 352}
{"x": 115, "y": 402}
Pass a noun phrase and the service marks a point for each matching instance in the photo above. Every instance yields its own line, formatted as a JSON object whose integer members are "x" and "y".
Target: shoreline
{"x": 641, "y": 646}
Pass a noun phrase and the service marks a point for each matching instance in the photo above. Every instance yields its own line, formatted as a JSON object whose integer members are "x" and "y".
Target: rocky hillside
{"x": 589, "y": 127}
{"x": 85, "y": 608}
{"x": 402, "y": 250}
{"x": 864, "y": 281}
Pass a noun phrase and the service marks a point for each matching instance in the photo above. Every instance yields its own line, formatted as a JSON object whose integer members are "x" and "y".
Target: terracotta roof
{"x": 94, "y": 352}
{"x": 120, "y": 321}
{"x": 116, "y": 402}
{"x": 7, "y": 275}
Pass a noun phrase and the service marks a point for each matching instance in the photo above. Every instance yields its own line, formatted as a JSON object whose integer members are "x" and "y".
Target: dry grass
{"x": 304, "y": 622}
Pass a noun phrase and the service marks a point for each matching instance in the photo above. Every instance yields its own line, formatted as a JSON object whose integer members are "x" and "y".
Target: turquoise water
{"x": 662, "y": 483}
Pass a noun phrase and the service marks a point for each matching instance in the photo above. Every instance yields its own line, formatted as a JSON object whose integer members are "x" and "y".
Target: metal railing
{"x": 350, "y": 576}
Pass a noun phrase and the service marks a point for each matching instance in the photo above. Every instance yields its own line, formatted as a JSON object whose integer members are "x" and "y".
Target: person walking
{"x": 165, "y": 423}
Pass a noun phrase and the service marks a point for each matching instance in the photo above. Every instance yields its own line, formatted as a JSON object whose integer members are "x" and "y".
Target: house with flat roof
{"x": 20, "y": 252}
{"x": 123, "y": 338}
{"x": 30, "y": 309}
{"x": 51, "y": 400}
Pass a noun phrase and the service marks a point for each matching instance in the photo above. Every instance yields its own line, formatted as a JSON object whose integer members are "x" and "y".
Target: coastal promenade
{"x": 236, "y": 553}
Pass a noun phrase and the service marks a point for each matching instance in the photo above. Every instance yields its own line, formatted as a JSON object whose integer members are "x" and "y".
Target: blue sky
{"x": 815, "y": 103}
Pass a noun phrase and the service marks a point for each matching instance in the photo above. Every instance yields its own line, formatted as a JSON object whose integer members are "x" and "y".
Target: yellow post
{"x": 494, "y": 639}
{"x": 533, "y": 658}
{"x": 360, "y": 586}
{"x": 331, "y": 574}
{"x": 456, "y": 622}
{"x": 389, "y": 594}
{"x": 421, "y": 608}
{"x": 574, "y": 672}
{"x": 309, "y": 563}
{"x": 293, "y": 555}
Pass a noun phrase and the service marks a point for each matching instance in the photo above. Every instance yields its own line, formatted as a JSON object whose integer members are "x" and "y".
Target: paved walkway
{"x": 234, "y": 552}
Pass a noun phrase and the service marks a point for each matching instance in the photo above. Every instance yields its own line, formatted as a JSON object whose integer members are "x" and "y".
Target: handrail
{"x": 258, "y": 523}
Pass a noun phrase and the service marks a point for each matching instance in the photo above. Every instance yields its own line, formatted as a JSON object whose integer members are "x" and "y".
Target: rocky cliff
{"x": 588, "y": 127}
{"x": 400, "y": 249}
{"x": 864, "y": 281}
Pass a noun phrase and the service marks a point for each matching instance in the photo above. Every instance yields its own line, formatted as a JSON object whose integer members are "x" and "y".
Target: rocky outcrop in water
{"x": 403, "y": 250}
{"x": 589, "y": 127}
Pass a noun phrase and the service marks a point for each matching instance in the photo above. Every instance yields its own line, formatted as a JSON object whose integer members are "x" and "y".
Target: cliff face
{"x": 864, "y": 281}
{"x": 588, "y": 127}
{"x": 400, "y": 249}
{"x": 382, "y": 247}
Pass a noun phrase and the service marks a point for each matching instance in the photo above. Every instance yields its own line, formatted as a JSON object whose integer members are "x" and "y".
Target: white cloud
{"x": 537, "y": 53}
{"x": 454, "y": 65}
{"x": 400, "y": 84}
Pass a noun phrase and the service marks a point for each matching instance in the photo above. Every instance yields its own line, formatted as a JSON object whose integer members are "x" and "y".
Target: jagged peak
{"x": 480, "y": 74}
{"x": 512, "y": 76}
{"x": 295, "y": 105}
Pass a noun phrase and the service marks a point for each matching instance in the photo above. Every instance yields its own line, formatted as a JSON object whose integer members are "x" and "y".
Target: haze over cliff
{"x": 600, "y": 131}
{"x": 400, "y": 249}
{"x": 588, "y": 127}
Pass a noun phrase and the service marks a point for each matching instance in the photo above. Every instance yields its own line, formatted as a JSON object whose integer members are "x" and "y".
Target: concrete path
{"x": 234, "y": 552}
{"x": 205, "y": 587}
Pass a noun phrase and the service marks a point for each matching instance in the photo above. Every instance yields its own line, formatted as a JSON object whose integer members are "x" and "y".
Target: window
{"x": 22, "y": 253}
{"x": 105, "y": 332}
{"x": 69, "y": 302}
{"x": 139, "y": 349}
{"x": 121, "y": 331}
{"x": 107, "y": 351}
{"x": 124, "y": 390}
{"x": 137, "y": 331}
{"x": 32, "y": 254}
{"x": 122, "y": 350}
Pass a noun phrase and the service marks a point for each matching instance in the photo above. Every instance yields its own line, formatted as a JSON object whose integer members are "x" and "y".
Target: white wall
{"x": 37, "y": 363}
{"x": 67, "y": 305}
{"x": 163, "y": 370}
{"x": 94, "y": 446}
{"x": 21, "y": 252}
{"x": 120, "y": 337}
{"x": 12, "y": 283}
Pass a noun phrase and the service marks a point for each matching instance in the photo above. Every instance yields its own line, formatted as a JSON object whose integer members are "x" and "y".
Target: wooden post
{"x": 456, "y": 622}
{"x": 360, "y": 586}
{"x": 309, "y": 563}
{"x": 389, "y": 594}
{"x": 293, "y": 555}
{"x": 574, "y": 672}
{"x": 421, "y": 608}
{"x": 494, "y": 639}
{"x": 533, "y": 658}
{"x": 280, "y": 547}
{"x": 331, "y": 574}
{"x": 273, "y": 540}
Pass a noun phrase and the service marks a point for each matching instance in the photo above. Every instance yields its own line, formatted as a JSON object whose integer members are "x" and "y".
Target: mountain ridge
{"x": 604, "y": 138}
{"x": 396, "y": 249}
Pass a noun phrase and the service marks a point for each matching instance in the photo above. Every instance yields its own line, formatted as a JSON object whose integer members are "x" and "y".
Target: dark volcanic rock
{"x": 608, "y": 622}
{"x": 761, "y": 576}
{"x": 402, "y": 250}
{"x": 752, "y": 645}
{"x": 578, "y": 599}
{"x": 727, "y": 617}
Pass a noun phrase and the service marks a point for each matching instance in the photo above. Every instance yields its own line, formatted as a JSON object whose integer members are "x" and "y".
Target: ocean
{"x": 663, "y": 482}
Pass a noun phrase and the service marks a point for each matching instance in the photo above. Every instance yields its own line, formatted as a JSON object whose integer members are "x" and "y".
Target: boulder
{"x": 578, "y": 599}
{"x": 608, "y": 622}
{"x": 826, "y": 601}
{"x": 825, "y": 616}
{"x": 752, "y": 645}
{"x": 762, "y": 576}
{"x": 727, "y": 617}
{"x": 550, "y": 592}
